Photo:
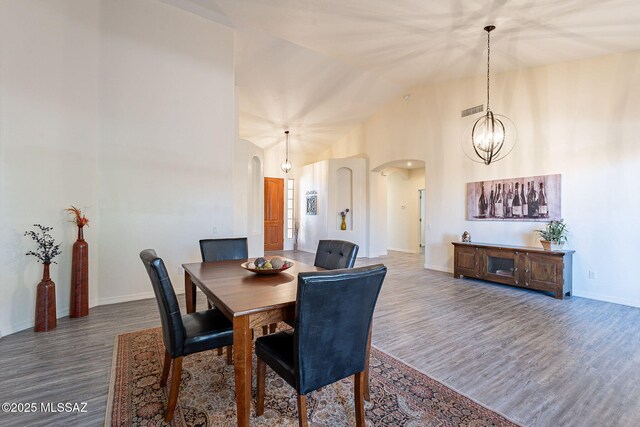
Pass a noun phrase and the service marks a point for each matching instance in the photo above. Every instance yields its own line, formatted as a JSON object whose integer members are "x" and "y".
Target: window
{"x": 290, "y": 205}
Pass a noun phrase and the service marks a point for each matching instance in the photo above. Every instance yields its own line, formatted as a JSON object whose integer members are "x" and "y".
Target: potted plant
{"x": 554, "y": 235}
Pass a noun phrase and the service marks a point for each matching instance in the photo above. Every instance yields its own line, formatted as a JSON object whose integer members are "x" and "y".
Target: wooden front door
{"x": 273, "y": 214}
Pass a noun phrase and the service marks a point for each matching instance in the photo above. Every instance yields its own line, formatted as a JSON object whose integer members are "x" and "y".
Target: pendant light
{"x": 286, "y": 165}
{"x": 493, "y": 136}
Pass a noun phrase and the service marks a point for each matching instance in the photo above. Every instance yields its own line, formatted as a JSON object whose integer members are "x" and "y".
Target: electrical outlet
{"x": 215, "y": 229}
{"x": 180, "y": 271}
{"x": 592, "y": 275}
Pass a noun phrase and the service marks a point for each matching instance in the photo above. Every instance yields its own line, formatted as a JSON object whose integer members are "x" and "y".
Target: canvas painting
{"x": 533, "y": 198}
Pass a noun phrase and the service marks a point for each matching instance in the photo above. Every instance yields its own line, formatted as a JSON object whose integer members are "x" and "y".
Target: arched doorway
{"x": 404, "y": 206}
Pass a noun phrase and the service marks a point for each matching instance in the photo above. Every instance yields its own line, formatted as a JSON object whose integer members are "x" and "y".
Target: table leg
{"x": 242, "y": 365}
{"x": 189, "y": 293}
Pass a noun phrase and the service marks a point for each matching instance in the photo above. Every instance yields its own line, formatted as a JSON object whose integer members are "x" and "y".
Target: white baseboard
{"x": 589, "y": 295}
{"x": 11, "y": 329}
{"x": 606, "y": 298}
{"x": 438, "y": 268}
{"x": 28, "y": 324}
{"x": 17, "y": 327}
{"x": 125, "y": 298}
{"x": 404, "y": 250}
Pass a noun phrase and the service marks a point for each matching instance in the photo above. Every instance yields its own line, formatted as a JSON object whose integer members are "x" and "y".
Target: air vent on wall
{"x": 473, "y": 110}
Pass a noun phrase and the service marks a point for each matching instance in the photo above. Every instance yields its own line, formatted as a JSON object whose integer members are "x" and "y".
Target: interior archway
{"x": 403, "y": 207}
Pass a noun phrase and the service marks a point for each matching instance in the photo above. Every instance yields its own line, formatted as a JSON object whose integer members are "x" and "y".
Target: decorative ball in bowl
{"x": 264, "y": 266}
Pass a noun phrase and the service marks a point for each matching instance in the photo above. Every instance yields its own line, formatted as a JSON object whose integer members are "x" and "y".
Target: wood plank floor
{"x": 538, "y": 360}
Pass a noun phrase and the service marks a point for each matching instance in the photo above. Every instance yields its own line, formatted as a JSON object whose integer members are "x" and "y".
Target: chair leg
{"x": 367, "y": 390}
{"x": 260, "y": 379}
{"x": 176, "y": 375}
{"x": 219, "y": 351}
{"x": 229, "y": 355}
{"x": 272, "y": 328}
{"x": 209, "y": 305}
{"x": 358, "y": 397}
{"x": 265, "y": 330}
{"x": 302, "y": 410}
{"x": 165, "y": 368}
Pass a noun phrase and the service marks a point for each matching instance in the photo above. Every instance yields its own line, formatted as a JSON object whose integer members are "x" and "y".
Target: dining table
{"x": 250, "y": 301}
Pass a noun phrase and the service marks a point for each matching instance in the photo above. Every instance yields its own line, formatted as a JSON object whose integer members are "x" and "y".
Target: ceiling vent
{"x": 473, "y": 110}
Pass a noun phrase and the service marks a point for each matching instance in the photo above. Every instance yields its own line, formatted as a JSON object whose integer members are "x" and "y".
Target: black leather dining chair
{"x": 332, "y": 254}
{"x": 182, "y": 335}
{"x": 329, "y": 341}
{"x": 223, "y": 249}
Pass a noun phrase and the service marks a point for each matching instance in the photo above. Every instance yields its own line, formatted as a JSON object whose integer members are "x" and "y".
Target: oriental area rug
{"x": 400, "y": 394}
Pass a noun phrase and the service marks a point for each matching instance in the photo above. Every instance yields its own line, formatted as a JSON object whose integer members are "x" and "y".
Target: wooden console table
{"x": 520, "y": 266}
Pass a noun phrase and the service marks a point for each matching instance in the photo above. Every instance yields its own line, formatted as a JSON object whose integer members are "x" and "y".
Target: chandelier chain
{"x": 491, "y": 140}
{"x": 286, "y": 164}
{"x": 287, "y": 146}
{"x": 488, "y": 55}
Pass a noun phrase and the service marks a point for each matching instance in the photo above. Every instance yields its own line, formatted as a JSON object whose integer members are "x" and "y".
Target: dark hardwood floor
{"x": 539, "y": 361}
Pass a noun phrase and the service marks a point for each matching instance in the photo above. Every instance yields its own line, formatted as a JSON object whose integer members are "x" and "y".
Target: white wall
{"x": 322, "y": 178}
{"x": 357, "y": 225}
{"x": 377, "y": 236}
{"x": 49, "y": 64}
{"x": 167, "y": 118}
{"x": 248, "y": 196}
{"x": 403, "y": 209}
{"x": 124, "y": 109}
{"x": 313, "y": 177}
{"x": 579, "y": 118}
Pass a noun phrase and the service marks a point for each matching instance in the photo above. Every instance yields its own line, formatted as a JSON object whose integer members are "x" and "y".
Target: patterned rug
{"x": 400, "y": 395}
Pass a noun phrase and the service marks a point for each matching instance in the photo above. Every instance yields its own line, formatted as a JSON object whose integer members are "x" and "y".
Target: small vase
{"x": 343, "y": 226}
{"x": 546, "y": 245}
{"x": 80, "y": 277}
{"x": 45, "y": 303}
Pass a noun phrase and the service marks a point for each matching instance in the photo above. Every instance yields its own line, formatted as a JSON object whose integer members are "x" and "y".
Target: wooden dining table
{"x": 249, "y": 300}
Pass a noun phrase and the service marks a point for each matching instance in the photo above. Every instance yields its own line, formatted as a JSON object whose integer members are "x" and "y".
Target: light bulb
{"x": 286, "y": 166}
{"x": 489, "y": 133}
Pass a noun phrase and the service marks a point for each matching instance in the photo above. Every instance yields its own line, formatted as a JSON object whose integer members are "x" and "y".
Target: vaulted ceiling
{"x": 320, "y": 67}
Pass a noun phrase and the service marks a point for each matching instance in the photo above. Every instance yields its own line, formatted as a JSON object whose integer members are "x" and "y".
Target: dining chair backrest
{"x": 223, "y": 249}
{"x": 332, "y": 320}
{"x": 173, "y": 331}
{"x": 333, "y": 254}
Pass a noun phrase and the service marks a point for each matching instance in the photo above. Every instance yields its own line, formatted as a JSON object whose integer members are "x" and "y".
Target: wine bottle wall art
{"x": 533, "y": 198}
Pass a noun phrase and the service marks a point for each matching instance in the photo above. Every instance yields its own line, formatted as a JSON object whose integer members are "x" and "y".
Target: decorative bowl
{"x": 252, "y": 268}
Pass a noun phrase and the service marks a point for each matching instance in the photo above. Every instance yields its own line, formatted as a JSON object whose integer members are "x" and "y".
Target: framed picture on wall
{"x": 532, "y": 198}
{"x": 312, "y": 203}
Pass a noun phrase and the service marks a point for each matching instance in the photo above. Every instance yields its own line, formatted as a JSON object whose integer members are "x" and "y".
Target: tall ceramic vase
{"x": 80, "y": 277}
{"x": 45, "y": 303}
{"x": 343, "y": 225}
